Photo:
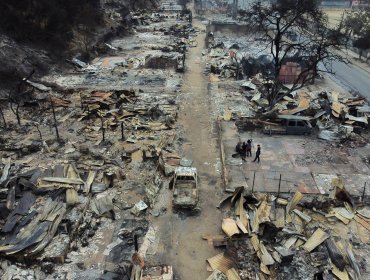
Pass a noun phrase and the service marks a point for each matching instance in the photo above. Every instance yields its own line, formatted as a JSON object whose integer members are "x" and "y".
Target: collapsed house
{"x": 64, "y": 200}
{"x": 313, "y": 229}
{"x": 275, "y": 237}
{"x": 336, "y": 115}
{"x": 89, "y": 151}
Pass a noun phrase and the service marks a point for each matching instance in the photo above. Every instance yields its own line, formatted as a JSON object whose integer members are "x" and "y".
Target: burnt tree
{"x": 16, "y": 97}
{"x": 276, "y": 22}
{"x": 3, "y": 117}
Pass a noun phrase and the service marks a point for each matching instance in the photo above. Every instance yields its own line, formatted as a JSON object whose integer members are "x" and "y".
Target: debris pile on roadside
{"x": 336, "y": 116}
{"x": 269, "y": 237}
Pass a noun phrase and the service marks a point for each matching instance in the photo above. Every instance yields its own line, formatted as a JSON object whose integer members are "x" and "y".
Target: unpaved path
{"x": 180, "y": 236}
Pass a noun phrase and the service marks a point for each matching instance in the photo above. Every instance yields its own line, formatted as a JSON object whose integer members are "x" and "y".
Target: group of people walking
{"x": 245, "y": 150}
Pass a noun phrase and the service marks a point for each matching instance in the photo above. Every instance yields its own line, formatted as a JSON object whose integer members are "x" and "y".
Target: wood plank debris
{"x": 89, "y": 181}
{"x": 342, "y": 211}
{"x": 67, "y": 181}
{"x": 341, "y": 274}
{"x": 5, "y": 172}
{"x": 266, "y": 257}
{"x": 318, "y": 237}
{"x": 290, "y": 242}
{"x": 362, "y": 222}
{"x": 241, "y": 226}
{"x": 280, "y": 217}
{"x": 72, "y": 197}
{"x": 216, "y": 240}
{"x": 294, "y": 201}
{"x": 364, "y": 212}
{"x": 243, "y": 216}
{"x": 263, "y": 212}
{"x": 302, "y": 215}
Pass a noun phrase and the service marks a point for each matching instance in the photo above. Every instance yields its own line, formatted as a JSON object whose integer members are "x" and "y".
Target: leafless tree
{"x": 55, "y": 118}
{"x": 16, "y": 97}
{"x": 3, "y": 117}
{"x": 277, "y": 21}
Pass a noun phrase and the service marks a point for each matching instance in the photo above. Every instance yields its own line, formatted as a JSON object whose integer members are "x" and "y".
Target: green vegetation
{"x": 357, "y": 23}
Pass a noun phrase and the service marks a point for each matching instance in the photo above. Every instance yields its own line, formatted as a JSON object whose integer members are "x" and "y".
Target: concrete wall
{"x": 227, "y": 28}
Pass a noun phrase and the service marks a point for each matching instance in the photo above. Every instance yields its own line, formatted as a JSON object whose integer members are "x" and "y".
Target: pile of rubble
{"x": 85, "y": 166}
{"x": 337, "y": 116}
{"x": 298, "y": 237}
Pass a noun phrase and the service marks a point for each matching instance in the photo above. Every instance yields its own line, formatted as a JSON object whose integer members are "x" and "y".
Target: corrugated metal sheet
{"x": 229, "y": 227}
{"x": 220, "y": 262}
{"x": 232, "y": 274}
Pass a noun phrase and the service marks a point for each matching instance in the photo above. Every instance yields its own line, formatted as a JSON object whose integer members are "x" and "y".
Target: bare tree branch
{"x": 314, "y": 47}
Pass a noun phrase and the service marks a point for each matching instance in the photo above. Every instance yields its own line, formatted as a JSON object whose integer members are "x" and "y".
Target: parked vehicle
{"x": 290, "y": 125}
{"x": 185, "y": 187}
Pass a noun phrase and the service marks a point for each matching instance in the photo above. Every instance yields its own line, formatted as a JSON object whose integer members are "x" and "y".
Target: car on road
{"x": 185, "y": 187}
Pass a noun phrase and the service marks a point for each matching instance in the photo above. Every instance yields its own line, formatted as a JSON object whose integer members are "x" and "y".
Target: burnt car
{"x": 185, "y": 187}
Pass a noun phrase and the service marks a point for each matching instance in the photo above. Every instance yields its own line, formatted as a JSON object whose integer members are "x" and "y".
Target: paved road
{"x": 352, "y": 78}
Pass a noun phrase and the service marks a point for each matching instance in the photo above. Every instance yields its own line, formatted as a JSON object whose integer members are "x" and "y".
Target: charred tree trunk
{"x": 17, "y": 98}
{"x": 17, "y": 114}
{"x": 15, "y": 110}
{"x": 38, "y": 130}
{"x": 102, "y": 127}
{"x": 3, "y": 117}
{"x": 55, "y": 120}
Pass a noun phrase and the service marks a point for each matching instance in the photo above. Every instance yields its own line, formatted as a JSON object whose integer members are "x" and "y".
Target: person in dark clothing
{"x": 258, "y": 153}
{"x": 249, "y": 148}
{"x": 244, "y": 151}
{"x": 238, "y": 148}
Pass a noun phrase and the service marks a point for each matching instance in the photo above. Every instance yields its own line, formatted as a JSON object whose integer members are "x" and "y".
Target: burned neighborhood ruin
{"x": 184, "y": 140}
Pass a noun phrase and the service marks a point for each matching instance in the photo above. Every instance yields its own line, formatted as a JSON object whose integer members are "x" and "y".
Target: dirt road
{"x": 183, "y": 246}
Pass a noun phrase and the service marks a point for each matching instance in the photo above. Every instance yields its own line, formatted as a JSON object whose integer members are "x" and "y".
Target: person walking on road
{"x": 249, "y": 148}
{"x": 258, "y": 153}
{"x": 244, "y": 151}
{"x": 238, "y": 147}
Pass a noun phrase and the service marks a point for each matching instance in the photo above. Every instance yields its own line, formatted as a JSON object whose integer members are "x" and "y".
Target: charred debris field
{"x": 124, "y": 145}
